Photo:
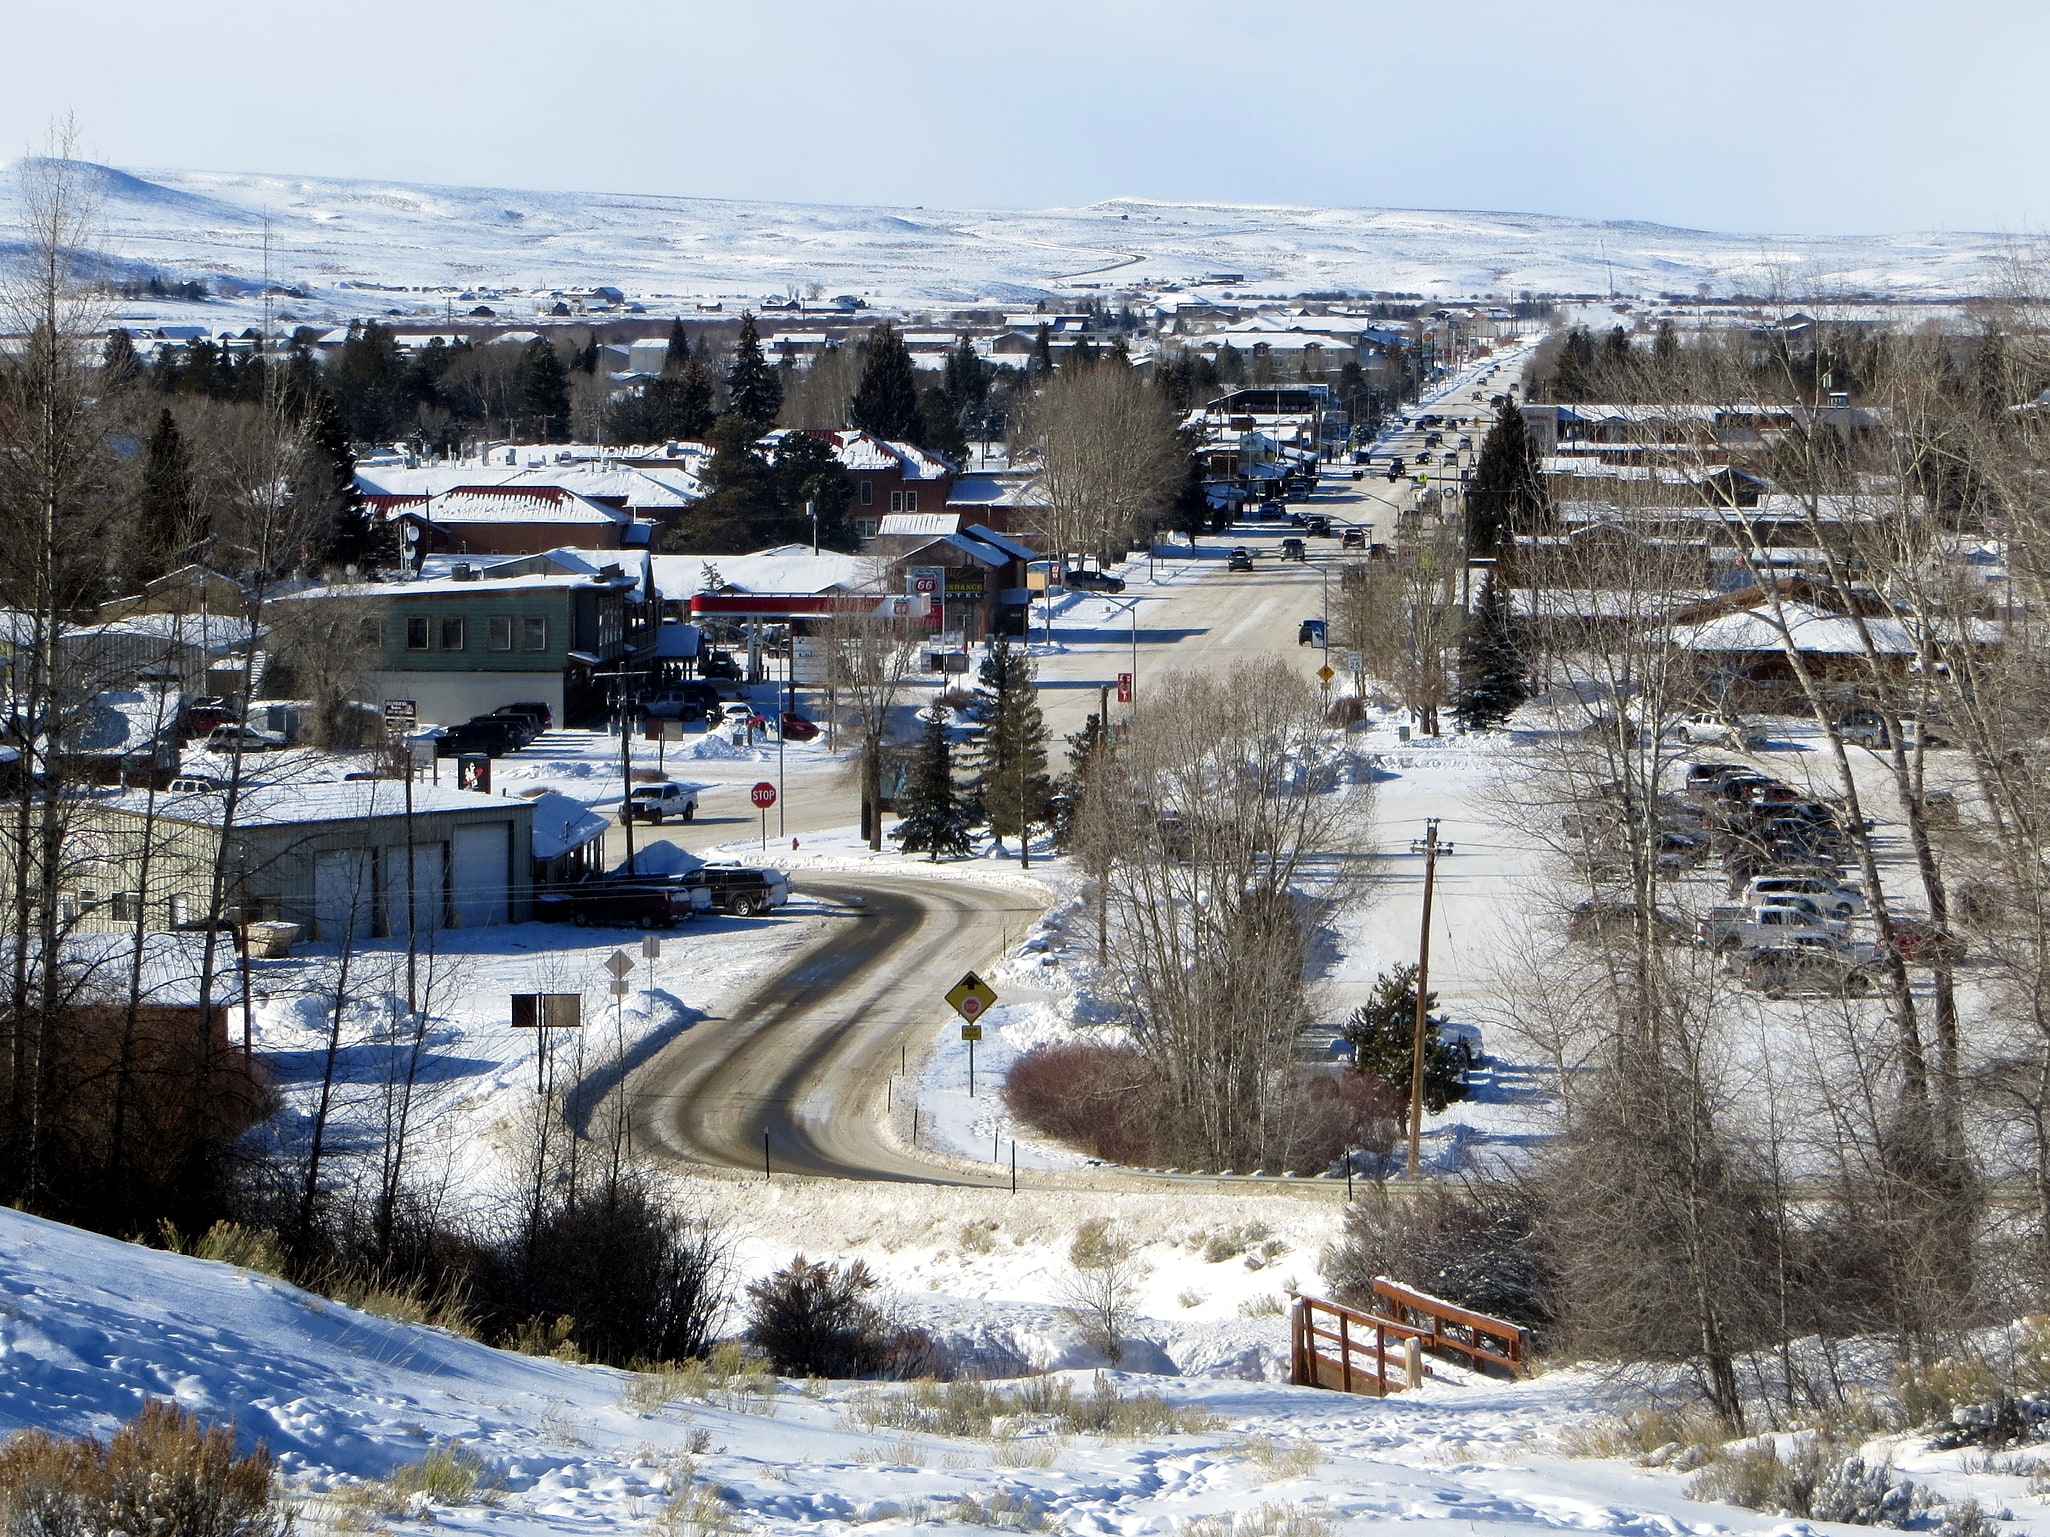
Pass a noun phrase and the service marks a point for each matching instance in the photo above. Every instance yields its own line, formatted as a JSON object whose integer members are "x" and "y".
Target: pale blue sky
{"x": 1808, "y": 116}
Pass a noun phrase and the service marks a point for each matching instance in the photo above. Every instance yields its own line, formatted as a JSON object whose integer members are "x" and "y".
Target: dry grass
{"x": 970, "y": 1409}
{"x": 1277, "y": 1518}
{"x": 1688, "y": 1435}
{"x": 1278, "y": 1457}
{"x": 727, "y": 1379}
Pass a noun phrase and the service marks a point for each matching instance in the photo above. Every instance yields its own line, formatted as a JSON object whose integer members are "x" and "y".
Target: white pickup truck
{"x": 1759, "y": 927}
{"x": 654, "y": 803}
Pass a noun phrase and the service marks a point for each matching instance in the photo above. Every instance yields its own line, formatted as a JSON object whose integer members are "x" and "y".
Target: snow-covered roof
{"x": 789, "y": 568}
{"x": 562, "y": 823}
{"x": 1015, "y": 488}
{"x": 284, "y": 805}
{"x": 1004, "y": 542}
{"x": 1812, "y": 629}
{"x": 172, "y": 965}
{"x": 621, "y": 484}
{"x": 918, "y": 523}
{"x": 515, "y": 504}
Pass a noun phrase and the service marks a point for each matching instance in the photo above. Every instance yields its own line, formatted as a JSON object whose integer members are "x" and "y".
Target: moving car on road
{"x": 1241, "y": 560}
{"x": 654, "y": 803}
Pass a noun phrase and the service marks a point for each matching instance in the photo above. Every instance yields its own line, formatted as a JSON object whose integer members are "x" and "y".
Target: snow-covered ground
{"x": 91, "y": 1327}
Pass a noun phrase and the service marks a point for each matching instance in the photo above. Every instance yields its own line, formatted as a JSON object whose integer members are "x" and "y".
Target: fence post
{"x": 1344, "y": 1354}
{"x": 1380, "y": 1361}
{"x": 1295, "y": 1346}
{"x": 1413, "y": 1361}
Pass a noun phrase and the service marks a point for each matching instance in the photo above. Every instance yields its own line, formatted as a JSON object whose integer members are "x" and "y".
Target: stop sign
{"x": 763, "y": 795}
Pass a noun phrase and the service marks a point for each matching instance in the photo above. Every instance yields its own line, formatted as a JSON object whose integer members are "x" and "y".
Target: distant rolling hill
{"x": 326, "y": 232}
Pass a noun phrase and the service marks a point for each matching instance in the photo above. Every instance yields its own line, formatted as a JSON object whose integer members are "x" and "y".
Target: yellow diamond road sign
{"x": 1326, "y": 674}
{"x": 971, "y": 997}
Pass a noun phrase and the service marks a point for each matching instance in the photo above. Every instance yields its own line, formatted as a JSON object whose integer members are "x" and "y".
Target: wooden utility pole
{"x": 1430, "y": 847}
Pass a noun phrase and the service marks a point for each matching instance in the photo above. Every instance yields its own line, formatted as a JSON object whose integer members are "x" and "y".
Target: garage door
{"x": 481, "y": 867}
{"x": 429, "y": 861}
{"x": 342, "y": 898}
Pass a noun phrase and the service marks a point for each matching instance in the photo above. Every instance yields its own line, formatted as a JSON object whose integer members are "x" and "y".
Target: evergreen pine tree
{"x": 753, "y": 390}
{"x": 885, "y": 402}
{"x": 164, "y": 508}
{"x": 936, "y": 818}
{"x": 1042, "y": 352}
{"x": 1490, "y": 663}
{"x": 966, "y": 380}
{"x": 1665, "y": 346}
{"x": 1012, "y": 781}
{"x": 1382, "y": 1034}
{"x": 939, "y": 426}
{"x": 196, "y": 375}
{"x": 1506, "y": 494}
{"x": 1570, "y": 378}
{"x": 119, "y": 366}
{"x": 678, "y": 352}
{"x": 324, "y": 478}
{"x": 544, "y": 391}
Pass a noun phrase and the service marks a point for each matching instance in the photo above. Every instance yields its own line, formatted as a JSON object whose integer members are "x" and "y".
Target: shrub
{"x": 1475, "y": 1244}
{"x": 971, "y": 1409}
{"x": 1095, "y": 1097}
{"x": 1382, "y": 1034}
{"x": 163, "y": 1472}
{"x": 817, "y": 1320}
{"x": 448, "y": 1475}
{"x": 1101, "y": 1297}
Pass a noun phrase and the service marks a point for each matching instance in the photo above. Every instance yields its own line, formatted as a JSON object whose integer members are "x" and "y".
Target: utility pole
{"x": 1430, "y": 847}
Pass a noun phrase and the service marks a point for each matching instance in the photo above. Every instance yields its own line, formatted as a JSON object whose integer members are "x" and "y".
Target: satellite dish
{"x": 412, "y": 534}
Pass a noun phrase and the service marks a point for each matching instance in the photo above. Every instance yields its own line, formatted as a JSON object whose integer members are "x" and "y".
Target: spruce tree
{"x": 164, "y": 507}
{"x": 885, "y": 402}
{"x": 966, "y": 380}
{"x": 119, "y": 365}
{"x": 936, "y": 818}
{"x": 1490, "y": 663}
{"x": 544, "y": 391}
{"x": 323, "y": 480}
{"x": 1507, "y": 492}
{"x": 1382, "y": 1034}
{"x": 678, "y": 352}
{"x": 939, "y": 426}
{"x": 1012, "y": 781}
{"x": 753, "y": 390}
{"x": 1042, "y": 352}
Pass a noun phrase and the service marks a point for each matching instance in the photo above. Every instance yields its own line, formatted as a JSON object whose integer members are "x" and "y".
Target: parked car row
{"x": 663, "y": 901}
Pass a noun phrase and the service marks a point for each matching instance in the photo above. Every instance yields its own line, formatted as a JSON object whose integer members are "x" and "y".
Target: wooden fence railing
{"x": 1381, "y": 1352}
{"x": 1336, "y": 1347}
{"x": 1446, "y": 1326}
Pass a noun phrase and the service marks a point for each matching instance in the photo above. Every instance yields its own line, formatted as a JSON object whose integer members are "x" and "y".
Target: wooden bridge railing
{"x": 1446, "y": 1326}
{"x": 1381, "y": 1352}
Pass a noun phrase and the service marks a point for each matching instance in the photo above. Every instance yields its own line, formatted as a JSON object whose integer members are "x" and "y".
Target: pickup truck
{"x": 653, "y": 803}
{"x": 1812, "y": 965}
{"x": 1833, "y": 897}
{"x": 742, "y": 891}
{"x": 1740, "y": 928}
{"x": 1705, "y": 727}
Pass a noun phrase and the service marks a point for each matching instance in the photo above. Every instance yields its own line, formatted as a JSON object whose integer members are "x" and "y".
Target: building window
{"x": 181, "y": 908}
{"x": 896, "y": 501}
{"x": 416, "y": 634}
{"x": 127, "y": 906}
{"x": 499, "y": 637}
{"x": 911, "y": 501}
{"x": 370, "y": 632}
{"x": 533, "y": 632}
{"x": 868, "y": 492}
{"x": 453, "y": 636}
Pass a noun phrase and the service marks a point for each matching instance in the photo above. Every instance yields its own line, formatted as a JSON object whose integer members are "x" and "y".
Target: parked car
{"x": 797, "y": 729}
{"x": 495, "y": 738}
{"x": 1352, "y": 539}
{"x": 1597, "y": 920}
{"x": 531, "y": 713}
{"x": 1863, "y": 728}
{"x": 719, "y": 664}
{"x": 1269, "y": 509}
{"x": 1779, "y": 971}
{"x": 1705, "y": 726}
{"x": 226, "y": 739}
{"x": 679, "y": 701}
{"x": 522, "y": 728}
{"x": 1832, "y": 896}
{"x": 1293, "y": 548}
{"x": 655, "y": 803}
{"x": 642, "y": 904}
{"x": 1096, "y": 581}
{"x": 1706, "y": 778}
{"x": 1739, "y": 927}
{"x": 1240, "y": 560}
{"x": 741, "y": 890}
{"x": 201, "y": 716}
{"x": 1922, "y": 943}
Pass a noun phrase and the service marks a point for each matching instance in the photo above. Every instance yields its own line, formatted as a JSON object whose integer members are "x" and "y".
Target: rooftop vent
{"x": 462, "y": 571}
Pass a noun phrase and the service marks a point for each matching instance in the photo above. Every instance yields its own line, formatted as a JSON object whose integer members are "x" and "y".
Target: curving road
{"x": 805, "y": 1058}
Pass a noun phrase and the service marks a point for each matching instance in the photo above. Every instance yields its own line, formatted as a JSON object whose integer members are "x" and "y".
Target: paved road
{"x": 805, "y": 1059}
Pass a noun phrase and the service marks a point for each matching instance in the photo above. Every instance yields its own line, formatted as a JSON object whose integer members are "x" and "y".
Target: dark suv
{"x": 1096, "y": 581}
{"x": 493, "y": 737}
{"x": 743, "y": 891}
{"x": 648, "y": 905}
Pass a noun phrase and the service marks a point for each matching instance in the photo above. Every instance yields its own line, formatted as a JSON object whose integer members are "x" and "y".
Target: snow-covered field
{"x": 90, "y": 1328}
{"x": 325, "y": 233}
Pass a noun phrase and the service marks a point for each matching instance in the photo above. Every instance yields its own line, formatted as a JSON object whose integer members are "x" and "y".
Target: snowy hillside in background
{"x": 325, "y": 232}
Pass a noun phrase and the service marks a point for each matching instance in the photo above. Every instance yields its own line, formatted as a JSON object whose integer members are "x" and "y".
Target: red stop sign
{"x": 763, "y": 795}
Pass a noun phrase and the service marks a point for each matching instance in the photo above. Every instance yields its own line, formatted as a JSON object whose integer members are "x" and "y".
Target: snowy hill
{"x": 326, "y": 232}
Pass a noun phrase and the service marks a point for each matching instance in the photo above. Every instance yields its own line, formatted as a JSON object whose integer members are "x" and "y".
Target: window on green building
{"x": 417, "y": 634}
{"x": 533, "y": 632}
{"x": 453, "y": 633}
{"x": 499, "y": 637}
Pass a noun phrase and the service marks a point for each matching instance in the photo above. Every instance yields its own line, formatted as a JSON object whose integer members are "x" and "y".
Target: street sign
{"x": 621, "y": 965}
{"x": 1354, "y": 662}
{"x": 971, "y": 998}
{"x": 547, "y": 1011}
{"x": 971, "y": 1032}
{"x": 763, "y": 795}
{"x": 1326, "y": 673}
{"x": 1124, "y": 688}
{"x": 473, "y": 772}
{"x": 400, "y": 716}
{"x": 621, "y": 987}
{"x": 651, "y": 948}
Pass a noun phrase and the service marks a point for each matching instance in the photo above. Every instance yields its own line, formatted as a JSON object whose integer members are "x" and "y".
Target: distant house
{"x": 888, "y": 477}
{"x": 512, "y": 519}
{"x": 333, "y": 857}
{"x": 465, "y": 643}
